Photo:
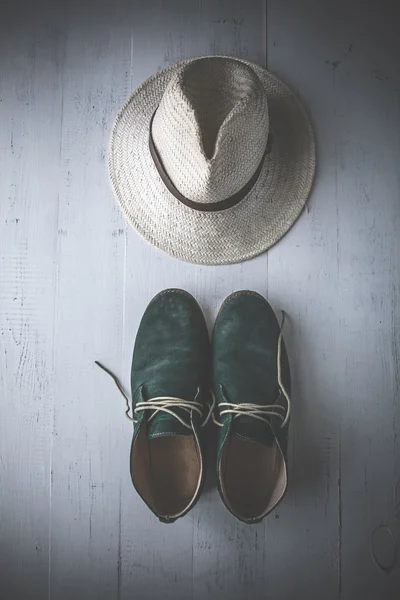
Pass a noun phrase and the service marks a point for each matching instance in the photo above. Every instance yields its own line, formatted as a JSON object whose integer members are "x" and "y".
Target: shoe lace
{"x": 165, "y": 404}
{"x": 257, "y": 411}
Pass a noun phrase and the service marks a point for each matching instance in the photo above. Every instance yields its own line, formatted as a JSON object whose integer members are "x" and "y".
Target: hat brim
{"x": 228, "y": 236}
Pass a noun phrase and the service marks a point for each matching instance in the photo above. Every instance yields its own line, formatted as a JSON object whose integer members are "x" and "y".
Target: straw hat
{"x": 212, "y": 160}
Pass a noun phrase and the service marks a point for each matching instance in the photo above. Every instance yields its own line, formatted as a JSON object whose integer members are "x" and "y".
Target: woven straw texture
{"x": 211, "y": 139}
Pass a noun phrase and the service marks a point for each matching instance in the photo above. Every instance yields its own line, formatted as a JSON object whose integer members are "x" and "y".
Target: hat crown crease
{"x": 211, "y": 128}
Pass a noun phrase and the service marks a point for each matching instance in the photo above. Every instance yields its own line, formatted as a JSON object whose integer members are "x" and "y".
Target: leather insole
{"x": 166, "y": 471}
{"x": 175, "y": 471}
{"x": 253, "y": 475}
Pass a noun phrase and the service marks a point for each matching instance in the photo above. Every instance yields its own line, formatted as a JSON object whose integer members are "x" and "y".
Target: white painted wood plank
{"x": 91, "y": 438}
{"x": 337, "y": 273}
{"x": 30, "y": 117}
{"x": 209, "y": 553}
{"x": 369, "y": 250}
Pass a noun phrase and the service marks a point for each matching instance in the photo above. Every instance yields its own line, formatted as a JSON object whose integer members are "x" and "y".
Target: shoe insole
{"x": 253, "y": 476}
{"x": 175, "y": 470}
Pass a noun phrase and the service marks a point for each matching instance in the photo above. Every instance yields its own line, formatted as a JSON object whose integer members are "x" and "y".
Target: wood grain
{"x": 89, "y": 429}
{"x": 179, "y": 564}
{"x": 336, "y": 272}
{"x": 30, "y": 106}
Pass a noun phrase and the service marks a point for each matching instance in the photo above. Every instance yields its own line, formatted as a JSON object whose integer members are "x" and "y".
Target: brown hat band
{"x": 203, "y": 206}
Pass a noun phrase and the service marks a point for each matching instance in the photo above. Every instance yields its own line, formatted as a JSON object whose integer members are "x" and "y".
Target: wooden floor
{"x": 75, "y": 280}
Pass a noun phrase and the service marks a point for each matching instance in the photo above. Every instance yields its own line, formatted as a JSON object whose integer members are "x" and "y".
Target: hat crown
{"x": 211, "y": 128}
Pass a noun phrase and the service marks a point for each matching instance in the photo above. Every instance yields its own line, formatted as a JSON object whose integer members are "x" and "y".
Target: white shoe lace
{"x": 257, "y": 411}
{"x": 164, "y": 404}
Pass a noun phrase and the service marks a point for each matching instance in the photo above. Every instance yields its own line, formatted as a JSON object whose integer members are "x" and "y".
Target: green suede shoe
{"x": 170, "y": 390}
{"x": 251, "y": 385}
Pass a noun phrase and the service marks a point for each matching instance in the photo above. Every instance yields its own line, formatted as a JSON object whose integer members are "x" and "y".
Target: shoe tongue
{"x": 164, "y": 424}
{"x": 253, "y": 430}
